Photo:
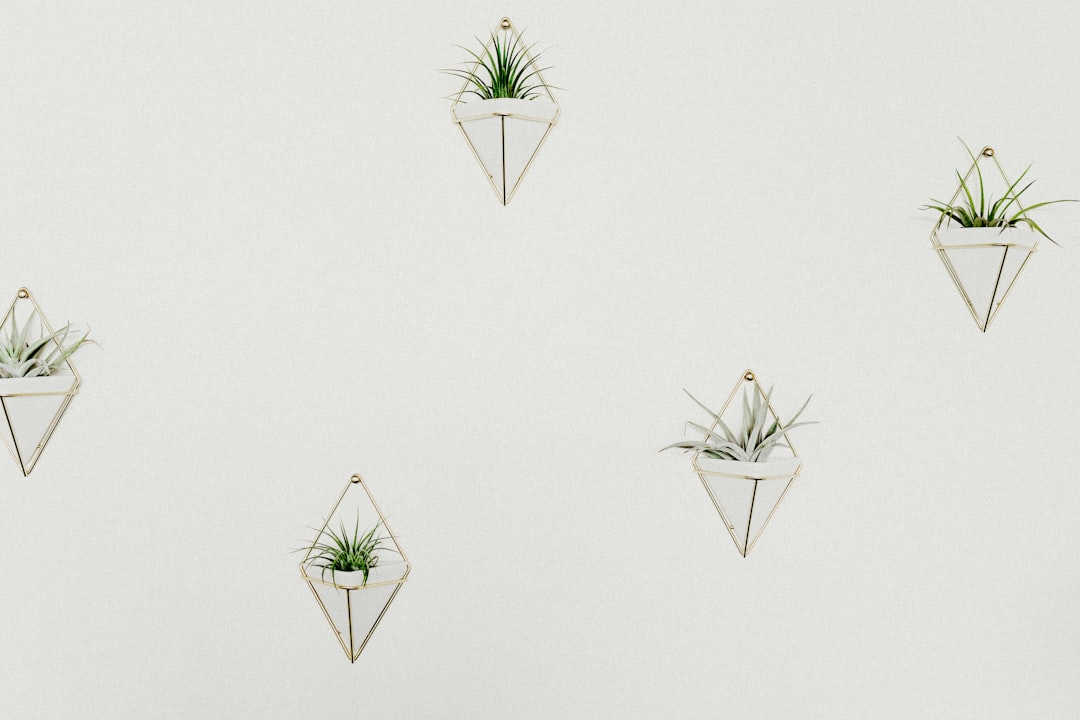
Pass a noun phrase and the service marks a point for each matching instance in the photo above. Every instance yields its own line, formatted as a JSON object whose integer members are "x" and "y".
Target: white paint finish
{"x": 273, "y": 198}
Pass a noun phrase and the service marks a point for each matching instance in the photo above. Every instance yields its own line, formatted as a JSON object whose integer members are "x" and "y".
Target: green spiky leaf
{"x": 504, "y": 68}
{"x": 339, "y": 551}
{"x": 988, "y": 212}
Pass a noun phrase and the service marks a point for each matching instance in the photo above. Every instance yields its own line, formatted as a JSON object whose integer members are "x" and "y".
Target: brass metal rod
{"x": 750, "y": 519}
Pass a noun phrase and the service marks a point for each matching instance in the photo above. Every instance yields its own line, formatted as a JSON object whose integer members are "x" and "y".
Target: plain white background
{"x": 296, "y": 271}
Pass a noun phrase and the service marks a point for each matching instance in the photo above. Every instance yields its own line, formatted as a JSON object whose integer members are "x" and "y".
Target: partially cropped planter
{"x": 504, "y": 109}
{"x": 986, "y": 238}
{"x": 746, "y": 494}
{"x": 354, "y": 576}
{"x": 735, "y": 464}
{"x": 37, "y": 379}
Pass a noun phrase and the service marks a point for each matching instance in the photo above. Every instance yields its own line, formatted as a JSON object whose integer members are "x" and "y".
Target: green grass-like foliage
{"x": 341, "y": 552}
{"x": 755, "y": 438}
{"x": 1004, "y": 212}
{"x": 504, "y": 68}
{"x": 20, "y": 357}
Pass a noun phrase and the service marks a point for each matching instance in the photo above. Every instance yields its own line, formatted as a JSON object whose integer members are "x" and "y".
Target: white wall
{"x": 296, "y": 271}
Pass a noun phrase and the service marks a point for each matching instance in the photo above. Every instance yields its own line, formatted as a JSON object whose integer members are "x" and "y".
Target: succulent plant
{"x": 504, "y": 68}
{"x": 1005, "y": 212}
{"x": 22, "y": 358}
{"x": 755, "y": 438}
{"x": 340, "y": 552}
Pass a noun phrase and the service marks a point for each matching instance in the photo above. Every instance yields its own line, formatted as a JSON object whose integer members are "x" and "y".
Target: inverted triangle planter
{"x": 32, "y": 407}
{"x": 985, "y": 262}
{"x": 505, "y": 134}
{"x": 354, "y": 608}
{"x": 747, "y": 494}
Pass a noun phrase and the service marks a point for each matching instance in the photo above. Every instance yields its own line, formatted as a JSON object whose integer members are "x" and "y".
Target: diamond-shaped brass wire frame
{"x": 942, "y": 249}
{"x": 346, "y": 636}
{"x": 503, "y": 191}
{"x": 745, "y": 544}
{"x": 8, "y": 401}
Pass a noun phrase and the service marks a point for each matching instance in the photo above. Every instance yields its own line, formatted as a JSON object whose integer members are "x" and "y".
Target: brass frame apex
{"x": 27, "y": 465}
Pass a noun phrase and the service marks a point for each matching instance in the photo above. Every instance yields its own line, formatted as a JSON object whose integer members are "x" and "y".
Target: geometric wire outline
{"x": 937, "y": 245}
{"x": 747, "y": 544}
{"x": 502, "y": 194}
{"x": 311, "y": 580}
{"x": 70, "y": 393}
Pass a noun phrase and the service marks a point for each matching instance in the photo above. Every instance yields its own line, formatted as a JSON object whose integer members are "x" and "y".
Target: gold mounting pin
{"x": 505, "y": 23}
{"x": 749, "y": 376}
{"x": 356, "y": 479}
{"x": 988, "y": 151}
{"x": 24, "y": 293}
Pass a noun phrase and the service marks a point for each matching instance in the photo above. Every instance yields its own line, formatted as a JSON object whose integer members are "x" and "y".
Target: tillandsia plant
{"x": 1004, "y": 212}
{"x": 504, "y": 68}
{"x": 20, "y": 357}
{"x": 755, "y": 439}
{"x": 340, "y": 552}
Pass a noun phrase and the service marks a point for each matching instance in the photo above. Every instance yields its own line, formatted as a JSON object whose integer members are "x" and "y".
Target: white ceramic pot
{"x": 984, "y": 263}
{"x": 505, "y": 135}
{"x": 32, "y": 407}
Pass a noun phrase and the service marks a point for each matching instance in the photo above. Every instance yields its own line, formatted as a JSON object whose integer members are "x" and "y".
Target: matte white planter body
{"x": 354, "y": 610}
{"x": 746, "y": 493}
{"x": 984, "y": 262}
{"x": 505, "y": 135}
{"x": 31, "y": 407}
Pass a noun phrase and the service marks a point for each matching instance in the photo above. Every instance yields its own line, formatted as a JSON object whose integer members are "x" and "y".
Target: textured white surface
{"x": 296, "y": 272}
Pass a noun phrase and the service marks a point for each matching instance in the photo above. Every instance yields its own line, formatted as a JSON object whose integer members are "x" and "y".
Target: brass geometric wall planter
{"x": 505, "y": 134}
{"x": 747, "y": 494}
{"x": 983, "y": 263}
{"x": 354, "y": 608}
{"x": 33, "y": 406}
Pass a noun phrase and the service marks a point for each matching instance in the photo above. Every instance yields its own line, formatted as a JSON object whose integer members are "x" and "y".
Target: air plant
{"x": 340, "y": 552}
{"x": 1005, "y": 212}
{"x": 504, "y": 68}
{"x": 754, "y": 440}
{"x": 20, "y": 357}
